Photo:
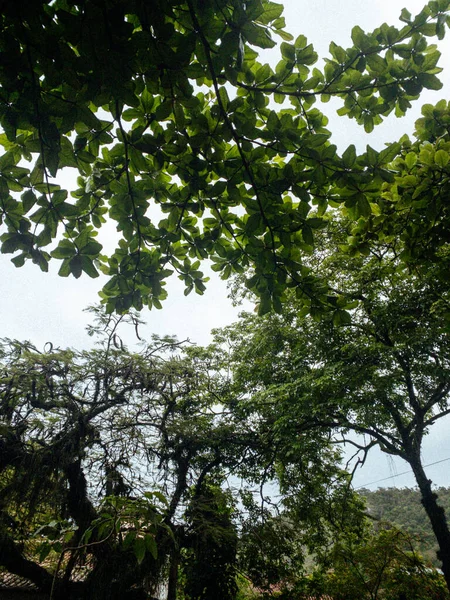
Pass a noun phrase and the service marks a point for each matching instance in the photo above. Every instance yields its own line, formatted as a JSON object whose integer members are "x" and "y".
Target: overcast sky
{"x": 43, "y": 307}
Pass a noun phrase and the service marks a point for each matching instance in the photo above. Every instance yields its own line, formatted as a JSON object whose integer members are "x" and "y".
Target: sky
{"x": 44, "y": 307}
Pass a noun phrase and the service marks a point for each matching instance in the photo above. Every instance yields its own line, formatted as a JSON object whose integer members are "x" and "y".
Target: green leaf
{"x": 287, "y": 51}
{"x": 368, "y": 123}
{"x": 405, "y": 16}
{"x": 65, "y": 270}
{"x": 410, "y": 159}
{"x": 10, "y": 242}
{"x": 272, "y": 11}
{"x": 75, "y": 266}
{"x": 317, "y": 139}
{"x": 349, "y": 156}
{"x": 258, "y": 36}
{"x": 429, "y": 81}
{"x": 91, "y": 248}
{"x": 65, "y": 249}
{"x": 284, "y": 35}
{"x": 316, "y": 223}
{"x": 44, "y": 550}
{"x": 306, "y": 56}
{"x": 338, "y": 53}
{"x": 28, "y": 200}
{"x": 129, "y": 540}
{"x": 223, "y": 95}
{"x": 19, "y": 261}
{"x": 37, "y": 174}
{"x": 441, "y": 158}
{"x": 138, "y": 160}
{"x": 300, "y": 42}
{"x": 150, "y": 545}
{"x": 307, "y": 235}
{"x": 59, "y": 196}
{"x": 341, "y": 317}
{"x": 88, "y": 266}
{"x": 364, "y": 209}
{"x": 388, "y": 154}
{"x": 263, "y": 73}
{"x": 254, "y": 224}
{"x": 163, "y": 111}
{"x": 372, "y": 156}
{"x": 265, "y": 304}
{"x": 139, "y": 548}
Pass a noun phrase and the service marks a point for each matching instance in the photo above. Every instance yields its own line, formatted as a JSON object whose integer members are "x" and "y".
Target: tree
{"x": 210, "y": 565}
{"x": 412, "y": 215}
{"x": 166, "y": 115}
{"x": 99, "y": 452}
{"x": 114, "y": 461}
{"x": 380, "y": 371}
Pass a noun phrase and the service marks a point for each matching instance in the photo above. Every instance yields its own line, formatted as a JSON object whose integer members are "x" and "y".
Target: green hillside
{"x": 402, "y": 508}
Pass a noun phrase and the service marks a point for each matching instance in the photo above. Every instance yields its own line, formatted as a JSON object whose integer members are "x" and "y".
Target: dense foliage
{"x": 115, "y": 460}
{"x": 402, "y": 508}
{"x": 371, "y": 564}
{"x": 380, "y": 371}
{"x": 210, "y": 567}
{"x": 99, "y": 450}
{"x": 165, "y": 112}
{"x": 382, "y": 566}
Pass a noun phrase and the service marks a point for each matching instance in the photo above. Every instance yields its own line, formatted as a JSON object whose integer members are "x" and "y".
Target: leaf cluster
{"x": 167, "y": 116}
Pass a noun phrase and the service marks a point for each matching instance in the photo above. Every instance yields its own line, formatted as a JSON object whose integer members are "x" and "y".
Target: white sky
{"x": 43, "y": 307}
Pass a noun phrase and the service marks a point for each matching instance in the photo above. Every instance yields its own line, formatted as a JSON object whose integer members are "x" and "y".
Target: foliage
{"x": 98, "y": 451}
{"x": 278, "y": 547}
{"x": 210, "y": 565}
{"x": 110, "y": 461}
{"x": 383, "y": 566}
{"x": 370, "y": 565}
{"x": 271, "y": 552}
{"x": 402, "y": 508}
{"x": 380, "y": 370}
{"x": 412, "y": 214}
{"x": 167, "y": 116}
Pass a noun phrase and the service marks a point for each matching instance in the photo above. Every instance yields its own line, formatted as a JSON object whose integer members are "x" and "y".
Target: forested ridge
{"x": 402, "y": 508}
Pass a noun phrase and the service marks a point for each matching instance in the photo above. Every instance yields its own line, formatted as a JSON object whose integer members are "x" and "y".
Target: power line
{"x": 399, "y": 474}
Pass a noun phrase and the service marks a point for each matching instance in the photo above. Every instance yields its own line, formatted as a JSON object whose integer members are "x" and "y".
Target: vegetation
{"x": 113, "y": 462}
{"x": 166, "y": 113}
{"x": 402, "y": 508}
{"x": 383, "y": 566}
{"x": 377, "y": 563}
{"x": 381, "y": 372}
{"x": 117, "y": 461}
{"x": 99, "y": 452}
{"x": 113, "y": 458}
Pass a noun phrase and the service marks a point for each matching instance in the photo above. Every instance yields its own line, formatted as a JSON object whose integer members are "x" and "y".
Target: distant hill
{"x": 402, "y": 507}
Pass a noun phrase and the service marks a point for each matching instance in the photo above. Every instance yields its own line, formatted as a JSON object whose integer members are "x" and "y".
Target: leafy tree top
{"x": 167, "y": 115}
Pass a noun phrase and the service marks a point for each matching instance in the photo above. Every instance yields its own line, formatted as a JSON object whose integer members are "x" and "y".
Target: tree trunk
{"x": 173, "y": 576}
{"x": 436, "y": 515}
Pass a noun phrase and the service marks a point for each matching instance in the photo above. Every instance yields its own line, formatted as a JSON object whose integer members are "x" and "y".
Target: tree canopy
{"x": 118, "y": 463}
{"x": 194, "y": 147}
{"x": 99, "y": 453}
{"x": 379, "y": 369}
{"x": 196, "y": 150}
